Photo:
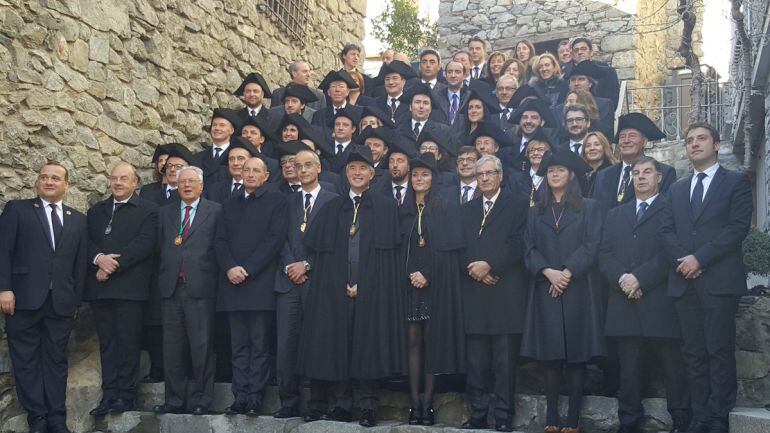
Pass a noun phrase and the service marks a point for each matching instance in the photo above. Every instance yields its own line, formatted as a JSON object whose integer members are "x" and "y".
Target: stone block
{"x": 78, "y": 57}
{"x": 749, "y": 420}
{"x": 99, "y": 48}
{"x": 612, "y": 43}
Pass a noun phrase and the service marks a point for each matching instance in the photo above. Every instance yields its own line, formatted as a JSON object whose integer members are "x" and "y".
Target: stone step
{"x": 750, "y": 420}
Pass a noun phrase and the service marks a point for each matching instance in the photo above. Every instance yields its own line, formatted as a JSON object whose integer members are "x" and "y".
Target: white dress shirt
{"x": 59, "y": 212}
{"x": 222, "y": 146}
{"x": 648, "y": 201}
{"x": 710, "y": 172}
{"x": 473, "y": 185}
{"x": 536, "y": 180}
{"x": 255, "y": 111}
{"x": 620, "y": 179}
{"x": 313, "y": 195}
{"x": 404, "y": 187}
{"x": 572, "y": 146}
{"x": 493, "y": 200}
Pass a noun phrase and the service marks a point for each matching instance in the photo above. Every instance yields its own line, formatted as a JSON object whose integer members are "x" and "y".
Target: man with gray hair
{"x": 188, "y": 287}
{"x": 494, "y": 295}
{"x": 299, "y": 71}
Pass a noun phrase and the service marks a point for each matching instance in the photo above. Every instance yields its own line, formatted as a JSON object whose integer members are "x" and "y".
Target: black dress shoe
{"x": 102, "y": 409}
{"x": 38, "y": 425}
{"x": 237, "y": 408}
{"x": 429, "y": 416}
{"x": 501, "y": 425}
{"x": 121, "y": 405}
{"x": 719, "y": 426}
{"x": 286, "y": 412}
{"x": 151, "y": 379}
{"x": 167, "y": 408}
{"x": 254, "y": 410}
{"x": 368, "y": 418}
{"x": 199, "y": 410}
{"x": 314, "y": 415}
{"x": 474, "y": 423}
{"x": 59, "y": 428}
{"x": 414, "y": 416}
{"x": 340, "y": 415}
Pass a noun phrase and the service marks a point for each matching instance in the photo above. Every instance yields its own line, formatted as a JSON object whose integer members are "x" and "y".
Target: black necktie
{"x": 56, "y": 224}
{"x": 217, "y": 152}
{"x": 464, "y": 198}
{"x": 625, "y": 180}
{"x": 308, "y": 196}
{"x": 642, "y": 209}
{"x": 398, "y": 194}
{"x": 116, "y": 206}
{"x": 295, "y": 188}
{"x": 236, "y": 188}
{"x": 339, "y": 149}
{"x": 357, "y": 199}
{"x": 576, "y": 148}
{"x": 696, "y": 201}
{"x": 489, "y": 204}
{"x": 416, "y": 129}
{"x": 453, "y": 108}
{"x": 476, "y": 72}
{"x": 393, "y": 106}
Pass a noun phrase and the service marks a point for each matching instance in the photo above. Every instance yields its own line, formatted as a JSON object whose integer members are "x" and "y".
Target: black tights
{"x": 552, "y": 371}
{"x": 416, "y": 331}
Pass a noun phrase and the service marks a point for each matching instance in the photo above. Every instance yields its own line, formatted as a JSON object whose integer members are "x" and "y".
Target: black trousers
{"x": 119, "y": 326}
{"x": 188, "y": 338}
{"x": 669, "y": 354}
{"x": 321, "y": 391}
{"x": 249, "y": 334}
{"x": 491, "y": 375}
{"x": 37, "y": 343}
{"x": 288, "y": 310}
{"x": 708, "y": 331}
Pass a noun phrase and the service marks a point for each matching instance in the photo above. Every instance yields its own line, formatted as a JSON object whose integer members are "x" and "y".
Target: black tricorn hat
{"x": 292, "y": 147}
{"x": 425, "y": 160}
{"x": 641, "y": 123}
{"x": 376, "y": 112}
{"x": 398, "y": 67}
{"x": 344, "y": 112}
{"x": 340, "y": 75}
{"x": 257, "y": 122}
{"x": 316, "y": 135}
{"x": 489, "y": 129}
{"x": 430, "y": 137}
{"x": 482, "y": 93}
{"x": 589, "y": 68}
{"x": 384, "y": 134}
{"x": 180, "y": 151}
{"x": 302, "y": 92}
{"x": 240, "y": 143}
{"x": 524, "y": 91}
{"x": 293, "y": 119}
{"x": 417, "y": 89}
{"x": 362, "y": 154}
{"x": 161, "y": 149}
{"x": 538, "y": 105}
{"x": 571, "y": 160}
{"x": 228, "y": 114}
{"x": 254, "y": 77}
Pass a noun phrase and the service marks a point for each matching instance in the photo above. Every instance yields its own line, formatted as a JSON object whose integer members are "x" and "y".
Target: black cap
{"x": 398, "y": 67}
{"x": 542, "y": 137}
{"x": 340, "y": 75}
{"x": 257, "y": 122}
{"x": 376, "y": 112}
{"x": 228, "y": 114}
{"x": 299, "y": 91}
{"x": 180, "y": 151}
{"x": 571, "y": 160}
{"x": 240, "y": 143}
{"x": 489, "y": 129}
{"x": 538, "y": 105}
{"x": 482, "y": 93}
{"x": 161, "y": 149}
{"x": 641, "y": 123}
{"x": 362, "y": 154}
{"x": 293, "y": 119}
{"x": 524, "y": 91}
{"x": 254, "y": 77}
{"x": 417, "y": 89}
{"x": 384, "y": 134}
{"x": 344, "y": 112}
{"x": 290, "y": 148}
{"x": 425, "y": 160}
{"x": 316, "y": 135}
{"x": 427, "y": 135}
{"x": 589, "y": 68}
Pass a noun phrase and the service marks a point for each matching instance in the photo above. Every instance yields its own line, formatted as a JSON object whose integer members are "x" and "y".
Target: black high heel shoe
{"x": 428, "y": 416}
{"x": 414, "y": 416}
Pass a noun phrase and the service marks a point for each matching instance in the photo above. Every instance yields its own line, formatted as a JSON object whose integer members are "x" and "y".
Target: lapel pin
{"x": 68, "y": 213}
{"x": 36, "y": 205}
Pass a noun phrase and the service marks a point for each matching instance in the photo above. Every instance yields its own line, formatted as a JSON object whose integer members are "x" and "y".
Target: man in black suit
{"x": 453, "y": 96}
{"x": 585, "y": 76}
{"x": 477, "y": 50}
{"x": 532, "y": 115}
{"x": 224, "y": 123}
{"x": 259, "y": 133}
{"x": 336, "y": 85}
{"x": 252, "y": 91}
{"x": 380, "y": 141}
{"x": 607, "y": 85}
{"x": 188, "y": 286}
{"x": 121, "y": 234}
{"x": 295, "y": 99}
{"x": 576, "y": 123}
{"x": 292, "y": 276}
{"x": 164, "y": 191}
{"x": 430, "y": 70}
{"x": 290, "y": 182}
{"x": 494, "y": 295}
{"x": 300, "y": 71}
{"x": 420, "y": 102}
{"x": 249, "y": 237}
{"x": 614, "y": 184}
{"x": 43, "y": 260}
{"x": 344, "y": 128}
{"x": 397, "y": 187}
{"x": 465, "y": 187}
{"x": 640, "y": 316}
{"x": 395, "y": 76}
{"x": 506, "y": 88}
{"x": 703, "y": 231}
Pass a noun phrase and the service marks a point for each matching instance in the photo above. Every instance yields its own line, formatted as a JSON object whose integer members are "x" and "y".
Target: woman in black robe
{"x": 565, "y": 321}
{"x": 530, "y": 182}
{"x": 431, "y": 245}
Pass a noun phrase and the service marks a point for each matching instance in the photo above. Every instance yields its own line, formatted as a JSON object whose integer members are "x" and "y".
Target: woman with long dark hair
{"x": 431, "y": 243}
{"x": 481, "y": 106}
{"x": 564, "y": 326}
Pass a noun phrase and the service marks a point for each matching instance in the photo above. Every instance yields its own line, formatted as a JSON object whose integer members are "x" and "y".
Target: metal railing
{"x": 669, "y": 105}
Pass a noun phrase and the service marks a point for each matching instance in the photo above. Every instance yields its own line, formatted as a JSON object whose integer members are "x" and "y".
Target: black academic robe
{"x": 445, "y": 334}
{"x": 591, "y": 178}
{"x": 375, "y": 320}
{"x": 156, "y": 192}
{"x": 441, "y": 132}
{"x": 213, "y": 169}
{"x": 524, "y": 183}
{"x": 607, "y": 181}
{"x": 570, "y": 327}
{"x": 635, "y": 247}
{"x": 496, "y": 309}
{"x": 221, "y": 191}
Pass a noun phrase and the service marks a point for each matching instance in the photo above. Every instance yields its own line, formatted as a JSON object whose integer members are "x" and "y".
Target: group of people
{"x": 413, "y": 224}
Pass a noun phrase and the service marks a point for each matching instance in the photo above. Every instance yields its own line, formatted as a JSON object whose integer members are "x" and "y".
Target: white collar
{"x": 59, "y": 204}
{"x": 493, "y": 199}
{"x": 222, "y": 146}
{"x": 431, "y": 82}
{"x": 473, "y": 184}
{"x": 393, "y": 185}
{"x": 421, "y": 122}
{"x": 344, "y": 104}
{"x": 114, "y": 202}
{"x": 480, "y": 66}
{"x": 353, "y": 195}
{"x": 398, "y": 98}
{"x": 194, "y": 204}
{"x": 710, "y": 172}
{"x": 314, "y": 192}
{"x": 533, "y": 173}
{"x": 239, "y": 182}
{"x": 648, "y": 201}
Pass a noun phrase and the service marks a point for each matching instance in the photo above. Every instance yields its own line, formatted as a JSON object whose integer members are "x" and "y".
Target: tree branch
{"x": 745, "y": 81}
{"x": 686, "y": 11}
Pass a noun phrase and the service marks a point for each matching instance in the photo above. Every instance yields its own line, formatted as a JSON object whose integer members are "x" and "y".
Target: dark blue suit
{"x": 48, "y": 283}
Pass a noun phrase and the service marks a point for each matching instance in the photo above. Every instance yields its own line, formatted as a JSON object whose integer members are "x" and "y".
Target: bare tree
{"x": 744, "y": 81}
{"x": 686, "y": 11}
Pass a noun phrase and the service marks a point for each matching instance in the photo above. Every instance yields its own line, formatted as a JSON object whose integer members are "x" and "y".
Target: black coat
{"x": 442, "y": 231}
{"x": 29, "y": 264}
{"x": 156, "y": 192}
{"x": 401, "y": 115}
{"x": 325, "y": 116}
{"x": 443, "y": 133}
{"x": 524, "y": 182}
{"x": 213, "y": 169}
{"x": 591, "y": 178}
{"x": 250, "y": 234}
{"x": 440, "y": 112}
{"x": 631, "y": 247}
{"x": 497, "y": 309}
{"x": 221, "y": 191}
{"x": 375, "y": 321}
{"x": 134, "y": 228}
{"x": 570, "y": 327}
{"x": 714, "y": 236}
{"x": 606, "y": 185}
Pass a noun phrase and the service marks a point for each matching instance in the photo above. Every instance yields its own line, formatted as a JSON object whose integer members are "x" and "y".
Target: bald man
{"x": 121, "y": 232}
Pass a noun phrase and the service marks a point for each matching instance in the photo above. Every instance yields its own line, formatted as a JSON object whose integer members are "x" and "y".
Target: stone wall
{"x": 91, "y": 82}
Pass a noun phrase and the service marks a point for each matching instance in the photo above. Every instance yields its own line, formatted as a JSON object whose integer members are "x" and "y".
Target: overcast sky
{"x": 716, "y": 45}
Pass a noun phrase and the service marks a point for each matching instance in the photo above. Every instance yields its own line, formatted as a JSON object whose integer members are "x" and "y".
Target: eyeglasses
{"x": 575, "y": 120}
{"x": 188, "y": 181}
{"x": 428, "y": 148}
{"x": 470, "y": 160}
{"x": 485, "y": 174}
{"x": 307, "y": 166}
{"x": 506, "y": 89}
{"x": 119, "y": 178}
{"x": 174, "y": 166}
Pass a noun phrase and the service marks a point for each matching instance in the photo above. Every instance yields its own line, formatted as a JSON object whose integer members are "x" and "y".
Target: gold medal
{"x": 178, "y": 240}
{"x": 302, "y": 227}
{"x": 421, "y": 242}
{"x": 108, "y": 230}
{"x": 620, "y": 196}
{"x": 353, "y": 230}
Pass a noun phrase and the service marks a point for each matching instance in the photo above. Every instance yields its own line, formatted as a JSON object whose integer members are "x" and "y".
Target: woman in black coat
{"x": 431, "y": 245}
{"x": 597, "y": 152}
{"x": 530, "y": 182}
{"x": 564, "y": 322}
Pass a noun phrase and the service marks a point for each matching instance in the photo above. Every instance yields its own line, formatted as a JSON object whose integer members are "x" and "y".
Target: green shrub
{"x": 756, "y": 252}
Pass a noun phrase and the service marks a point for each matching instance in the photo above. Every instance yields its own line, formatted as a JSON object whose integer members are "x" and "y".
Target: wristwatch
{"x": 307, "y": 266}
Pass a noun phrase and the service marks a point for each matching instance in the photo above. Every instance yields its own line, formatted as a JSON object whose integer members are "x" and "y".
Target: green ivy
{"x": 756, "y": 252}
{"x": 400, "y": 28}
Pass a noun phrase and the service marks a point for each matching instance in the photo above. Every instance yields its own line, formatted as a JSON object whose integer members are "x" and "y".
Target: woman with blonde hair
{"x": 597, "y": 152}
{"x": 547, "y": 77}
